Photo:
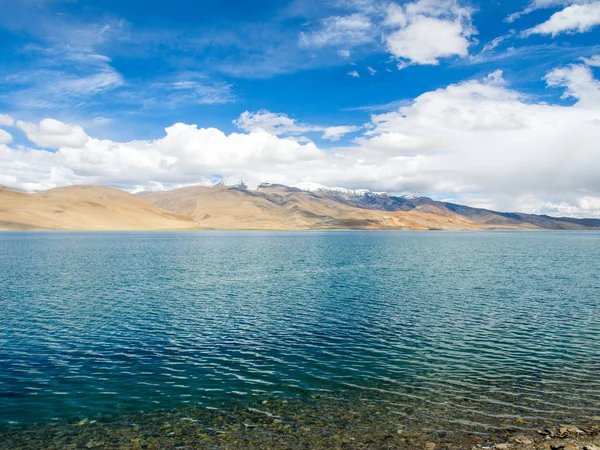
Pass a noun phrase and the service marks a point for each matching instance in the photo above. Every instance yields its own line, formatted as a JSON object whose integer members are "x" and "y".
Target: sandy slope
{"x": 84, "y": 208}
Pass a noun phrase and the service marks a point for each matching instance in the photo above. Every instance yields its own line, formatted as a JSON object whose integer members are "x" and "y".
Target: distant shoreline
{"x": 302, "y": 230}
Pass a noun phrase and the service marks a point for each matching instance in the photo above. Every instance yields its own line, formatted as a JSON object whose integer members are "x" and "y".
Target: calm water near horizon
{"x": 470, "y": 326}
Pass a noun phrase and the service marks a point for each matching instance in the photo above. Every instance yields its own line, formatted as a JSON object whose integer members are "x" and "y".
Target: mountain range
{"x": 268, "y": 207}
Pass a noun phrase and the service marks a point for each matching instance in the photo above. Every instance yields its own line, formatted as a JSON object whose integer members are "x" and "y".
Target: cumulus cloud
{"x": 52, "y": 133}
{"x": 481, "y": 136}
{"x": 354, "y": 74}
{"x": 429, "y": 30}
{"x": 418, "y": 32}
{"x": 495, "y": 78}
{"x": 577, "y": 18}
{"x": 578, "y": 82}
{"x": 6, "y": 120}
{"x": 5, "y": 137}
{"x": 186, "y": 154}
{"x": 478, "y": 142}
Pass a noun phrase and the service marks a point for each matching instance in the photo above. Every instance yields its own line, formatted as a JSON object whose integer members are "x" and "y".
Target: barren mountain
{"x": 283, "y": 207}
{"x": 84, "y": 208}
{"x": 317, "y": 207}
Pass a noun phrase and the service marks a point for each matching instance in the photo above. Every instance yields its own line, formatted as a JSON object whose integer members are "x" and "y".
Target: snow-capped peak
{"x": 310, "y": 186}
{"x": 315, "y": 187}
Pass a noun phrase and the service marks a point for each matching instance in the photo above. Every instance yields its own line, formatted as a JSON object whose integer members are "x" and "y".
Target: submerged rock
{"x": 523, "y": 440}
{"x": 569, "y": 429}
{"x": 316, "y": 423}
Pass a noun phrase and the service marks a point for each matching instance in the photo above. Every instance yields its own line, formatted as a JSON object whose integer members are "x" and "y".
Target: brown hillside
{"x": 84, "y": 208}
{"x": 283, "y": 208}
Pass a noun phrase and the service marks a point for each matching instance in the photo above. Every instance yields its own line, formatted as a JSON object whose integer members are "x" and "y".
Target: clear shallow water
{"x": 466, "y": 329}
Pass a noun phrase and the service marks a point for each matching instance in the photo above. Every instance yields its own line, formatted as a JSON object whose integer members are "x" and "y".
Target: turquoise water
{"x": 472, "y": 328}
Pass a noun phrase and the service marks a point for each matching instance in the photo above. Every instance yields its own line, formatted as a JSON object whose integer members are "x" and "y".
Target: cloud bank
{"x": 479, "y": 142}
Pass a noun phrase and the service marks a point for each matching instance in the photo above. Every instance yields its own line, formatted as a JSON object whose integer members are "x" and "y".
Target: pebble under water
{"x": 436, "y": 331}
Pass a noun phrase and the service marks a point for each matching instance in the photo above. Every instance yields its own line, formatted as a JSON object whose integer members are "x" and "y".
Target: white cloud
{"x": 274, "y": 123}
{"x": 495, "y": 78}
{"x": 542, "y": 4}
{"x": 354, "y": 74}
{"x": 488, "y": 52}
{"x": 478, "y": 142}
{"x": 186, "y": 154}
{"x": 572, "y": 19}
{"x": 419, "y": 32}
{"x": 190, "y": 89}
{"x": 594, "y": 61}
{"x": 280, "y": 124}
{"x": 371, "y": 70}
{"x": 54, "y": 134}
{"x": 429, "y": 30}
{"x": 5, "y": 137}
{"x": 487, "y": 143}
{"x": 350, "y": 31}
{"x": 67, "y": 70}
{"x": 6, "y": 120}
{"x": 335, "y": 133}
{"x": 578, "y": 82}
{"x": 100, "y": 120}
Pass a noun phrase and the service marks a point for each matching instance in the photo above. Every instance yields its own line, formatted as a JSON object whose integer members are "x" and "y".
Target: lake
{"x": 447, "y": 329}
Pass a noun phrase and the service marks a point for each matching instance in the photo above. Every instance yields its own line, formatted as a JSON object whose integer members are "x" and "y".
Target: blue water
{"x": 475, "y": 327}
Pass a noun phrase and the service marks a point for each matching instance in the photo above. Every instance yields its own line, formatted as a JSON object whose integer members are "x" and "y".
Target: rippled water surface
{"x": 472, "y": 328}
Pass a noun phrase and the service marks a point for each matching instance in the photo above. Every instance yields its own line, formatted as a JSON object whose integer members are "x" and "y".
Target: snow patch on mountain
{"x": 315, "y": 187}
{"x": 310, "y": 186}
{"x": 348, "y": 194}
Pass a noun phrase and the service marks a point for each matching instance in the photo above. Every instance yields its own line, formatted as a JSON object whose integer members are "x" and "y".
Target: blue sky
{"x": 343, "y": 91}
